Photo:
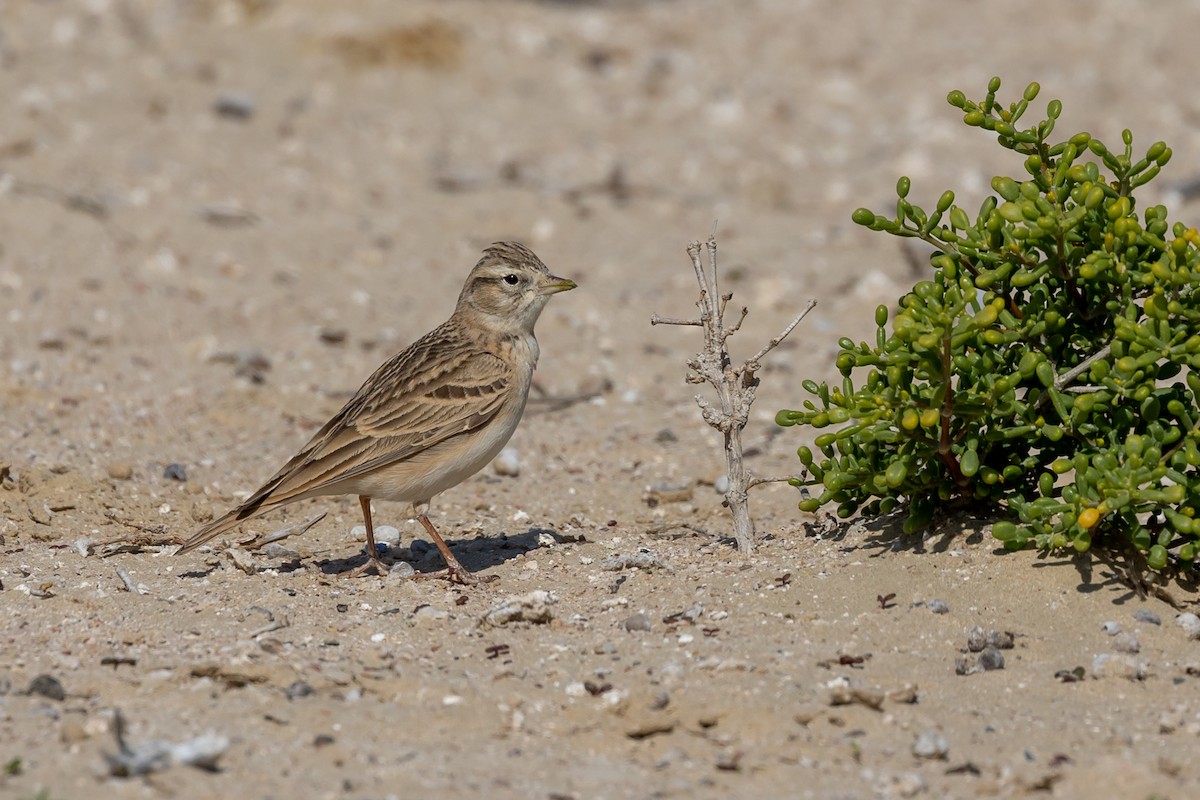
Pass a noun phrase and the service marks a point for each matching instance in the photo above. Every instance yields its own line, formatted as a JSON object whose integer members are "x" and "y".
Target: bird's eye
{"x": 511, "y": 279}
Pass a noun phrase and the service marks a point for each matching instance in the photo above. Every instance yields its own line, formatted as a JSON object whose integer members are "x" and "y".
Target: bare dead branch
{"x": 735, "y": 386}
{"x": 771, "y": 345}
{"x": 657, "y": 320}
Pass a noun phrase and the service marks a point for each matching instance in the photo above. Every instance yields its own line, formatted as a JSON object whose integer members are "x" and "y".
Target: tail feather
{"x": 223, "y": 524}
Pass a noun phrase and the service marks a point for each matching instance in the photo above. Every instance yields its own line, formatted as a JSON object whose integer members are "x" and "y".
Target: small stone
{"x": 52, "y": 340}
{"x": 1117, "y": 665}
{"x": 430, "y": 613}
{"x": 721, "y": 484}
{"x": 1001, "y": 640}
{"x": 644, "y": 729}
{"x": 277, "y": 550}
{"x": 1147, "y": 616}
{"x": 120, "y": 470}
{"x": 939, "y": 607}
{"x": 666, "y": 436}
{"x": 47, "y": 686}
{"x": 909, "y": 784}
{"x": 931, "y": 744}
{"x": 991, "y": 658}
{"x": 605, "y": 648}
{"x": 1126, "y": 643}
{"x": 534, "y": 607}
{"x": 638, "y": 622}
{"x": 904, "y": 694}
{"x": 175, "y": 472}
{"x": 420, "y": 548}
{"x": 1190, "y": 624}
{"x": 508, "y": 463}
{"x": 976, "y": 638}
{"x": 332, "y": 336}
{"x": 235, "y": 105}
{"x": 299, "y": 689}
{"x": 384, "y": 534}
{"x": 401, "y": 570}
{"x": 1111, "y": 628}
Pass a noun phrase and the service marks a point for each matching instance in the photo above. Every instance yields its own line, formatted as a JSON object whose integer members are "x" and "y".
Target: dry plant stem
{"x": 735, "y": 386}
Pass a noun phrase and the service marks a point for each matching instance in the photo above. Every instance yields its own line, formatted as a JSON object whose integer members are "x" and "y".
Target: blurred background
{"x": 195, "y": 192}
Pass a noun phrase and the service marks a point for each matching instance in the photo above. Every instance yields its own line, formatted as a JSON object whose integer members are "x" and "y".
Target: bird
{"x": 429, "y": 417}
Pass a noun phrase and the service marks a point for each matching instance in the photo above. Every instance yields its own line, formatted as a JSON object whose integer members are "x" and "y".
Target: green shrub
{"x": 1047, "y": 368}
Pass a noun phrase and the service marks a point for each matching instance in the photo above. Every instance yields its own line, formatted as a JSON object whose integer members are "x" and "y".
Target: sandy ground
{"x": 216, "y": 218}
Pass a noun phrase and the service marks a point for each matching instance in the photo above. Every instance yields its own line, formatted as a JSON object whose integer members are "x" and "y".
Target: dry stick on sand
{"x": 736, "y": 386}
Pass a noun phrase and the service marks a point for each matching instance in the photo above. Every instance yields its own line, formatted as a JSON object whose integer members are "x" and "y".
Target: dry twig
{"x": 736, "y": 386}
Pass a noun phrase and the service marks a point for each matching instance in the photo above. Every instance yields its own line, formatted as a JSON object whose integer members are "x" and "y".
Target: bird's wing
{"x": 438, "y": 388}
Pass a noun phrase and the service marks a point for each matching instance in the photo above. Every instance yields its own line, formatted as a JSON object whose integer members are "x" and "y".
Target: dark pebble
{"x": 175, "y": 472}
{"x": 299, "y": 689}
{"x": 991, "y": 658}
{"x": 235, "y": 105}
{"x": 47, "y": 686}
{"x": 1002, "y": 640}
{"x": 939, "y": 607}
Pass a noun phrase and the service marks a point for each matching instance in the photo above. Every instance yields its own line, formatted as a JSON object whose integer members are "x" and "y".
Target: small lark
{"x": 432, "y": 415}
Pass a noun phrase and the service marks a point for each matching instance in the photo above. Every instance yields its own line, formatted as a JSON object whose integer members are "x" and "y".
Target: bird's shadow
{"x": 479, "y": 553}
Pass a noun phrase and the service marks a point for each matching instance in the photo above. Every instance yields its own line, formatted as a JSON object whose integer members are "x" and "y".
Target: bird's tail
{"x": 220, "y": 525}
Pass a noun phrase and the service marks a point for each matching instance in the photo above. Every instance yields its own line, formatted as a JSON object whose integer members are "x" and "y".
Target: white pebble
{"x": 721, "y": 484}
{"x": 508, "y": 463}
{"x": 521, "y": 516}
{"x": 930, "y": 744}
{"x": 1190, "y": 624}
{"x": 1111, "y": 628}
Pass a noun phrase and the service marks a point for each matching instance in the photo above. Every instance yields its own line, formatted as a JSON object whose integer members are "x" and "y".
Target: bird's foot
{"x": 380, "y": 568}
{"x": 457, "y": 573}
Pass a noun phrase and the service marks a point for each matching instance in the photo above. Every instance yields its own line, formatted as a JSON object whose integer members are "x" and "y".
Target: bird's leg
{"x": 454, "y": 571}
{"x": 373, "y": 561}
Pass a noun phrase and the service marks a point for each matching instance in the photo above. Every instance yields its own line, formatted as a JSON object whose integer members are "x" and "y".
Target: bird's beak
{"x": 554, "y": 285}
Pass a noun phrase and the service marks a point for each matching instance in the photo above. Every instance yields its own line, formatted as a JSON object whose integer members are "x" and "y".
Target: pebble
{"x": 277, "y": 550}
{"x": 175, "y": 472}
{"x": 419, "y": 548}
{"x": 991, "y": 658}
{"x": 721, "y": 484}
{"x": 939, "y": 607}
{"x": 235, "y": 105}
{"x": 384, "y": 534}
{"x": 1111, "y": 628}
{"x": 508, "y": 463}
{"x": 299, "y": 689}
{"x": 120, "y": 470}
{"x": 638, "y": 622}
{"x": 1117, "y": 665}
{"x": 401, "y": 570}
{"x": 1190, "y": 624}
{"x": 1126, "y": 643}
{"x": 47, "y": 686}
{"x": 429, "y": 612}
{"x": 976, "y": 639}
{"x": 1147, "y": 616}
{"x": 931, "y": 744}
